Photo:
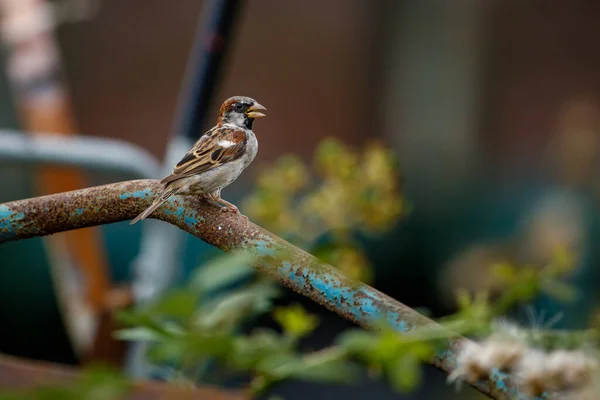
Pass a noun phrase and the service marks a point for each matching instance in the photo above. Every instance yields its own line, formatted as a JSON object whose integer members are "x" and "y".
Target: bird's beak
{"x": 254, "y": 111}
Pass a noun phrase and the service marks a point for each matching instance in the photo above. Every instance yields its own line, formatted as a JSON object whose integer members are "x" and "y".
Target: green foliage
{"x": 186, "y": 328}
{"x": 346, "y": 194}
{"x": 295, "y": 321}
{"x": 525, "y": 283}
{"x": 398, "y": 357}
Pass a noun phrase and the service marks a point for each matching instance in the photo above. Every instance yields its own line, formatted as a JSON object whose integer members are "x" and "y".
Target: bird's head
{"x": 240, "y": 111}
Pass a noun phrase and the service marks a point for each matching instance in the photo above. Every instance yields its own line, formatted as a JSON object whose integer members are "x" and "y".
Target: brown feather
{"x": 221, "y": 145}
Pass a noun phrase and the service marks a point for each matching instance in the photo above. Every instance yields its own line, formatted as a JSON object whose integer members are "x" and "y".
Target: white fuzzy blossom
{"x": 563, "y": 372}
{"x": 478, "y": 360}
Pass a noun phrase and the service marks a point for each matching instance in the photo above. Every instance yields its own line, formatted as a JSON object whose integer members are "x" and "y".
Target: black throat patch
{"x": 248, "y": 122}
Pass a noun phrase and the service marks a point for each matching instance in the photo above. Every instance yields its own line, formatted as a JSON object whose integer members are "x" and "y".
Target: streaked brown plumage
{"x": 217, "y": 158}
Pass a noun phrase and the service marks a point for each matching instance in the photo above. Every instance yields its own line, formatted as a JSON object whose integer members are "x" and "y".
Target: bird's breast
{"x": 251, "y": 148}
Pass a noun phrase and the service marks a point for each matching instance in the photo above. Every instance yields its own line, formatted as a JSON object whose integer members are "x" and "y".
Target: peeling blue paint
{"x": 189, "y": 217}
{"x": 177, "y": 213}
{"x": 443, "y": 353}
{"x": 190, "y": 220}
{"x": 401, "y": 326}
{"x": 333, "y": 291}
{"x": 287, "y": 269}
{"x": 138, "y": 194}
{"x": 360, "y": 303}
{"x": 79, "y": 211}
{"x": 265, "y": 248}
{"x": 499, "y": 377}
{"x": 9, "y": 222}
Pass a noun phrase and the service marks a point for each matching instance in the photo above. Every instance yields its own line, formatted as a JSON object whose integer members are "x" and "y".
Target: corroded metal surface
{"x": 292, "y": 266}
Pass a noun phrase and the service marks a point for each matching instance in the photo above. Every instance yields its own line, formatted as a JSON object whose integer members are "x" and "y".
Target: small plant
{"x": 188, "y": 328}
{"x": 324, "y": 211}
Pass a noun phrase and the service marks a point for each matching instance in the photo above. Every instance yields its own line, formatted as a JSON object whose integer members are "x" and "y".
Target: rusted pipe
{"x": 292, "y": 266}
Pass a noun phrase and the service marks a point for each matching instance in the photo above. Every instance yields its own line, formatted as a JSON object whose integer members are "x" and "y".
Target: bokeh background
{"x": 493, "y": 108}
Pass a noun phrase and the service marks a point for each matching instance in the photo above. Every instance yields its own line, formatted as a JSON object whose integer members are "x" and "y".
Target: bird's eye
{"x": 238, "y": 106}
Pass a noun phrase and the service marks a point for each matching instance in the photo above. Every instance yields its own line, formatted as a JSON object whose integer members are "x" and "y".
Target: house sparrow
{"x": 217, "y": 158}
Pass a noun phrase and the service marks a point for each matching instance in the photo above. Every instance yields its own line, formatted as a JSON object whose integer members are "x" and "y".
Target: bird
{"x": 217, "y": 159}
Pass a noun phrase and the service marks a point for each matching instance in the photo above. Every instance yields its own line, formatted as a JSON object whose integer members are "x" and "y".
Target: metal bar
{"x": 91, "y": 153}
{"x": 213, "y": 39}
{"x": 292, "y": 266}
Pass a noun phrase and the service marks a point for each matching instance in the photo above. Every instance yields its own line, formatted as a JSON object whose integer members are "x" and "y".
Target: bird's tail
{"x": 157, "y": 203}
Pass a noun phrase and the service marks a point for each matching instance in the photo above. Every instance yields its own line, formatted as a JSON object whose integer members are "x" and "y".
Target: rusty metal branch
{"x": 292, "y": 266}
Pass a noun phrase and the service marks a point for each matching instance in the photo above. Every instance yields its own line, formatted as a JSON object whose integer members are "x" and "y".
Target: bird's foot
{"x": 230, "y": 209}
{"x": 228, "y": 206}
{"x": 233, "y": 209}
{"x": 225, "y": 205}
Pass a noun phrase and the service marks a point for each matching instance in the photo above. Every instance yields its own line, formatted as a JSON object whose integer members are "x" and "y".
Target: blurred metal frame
{"x": 89, "y": 153}
{"x": 291, "y": 266}
{"x": 34, "y": 67}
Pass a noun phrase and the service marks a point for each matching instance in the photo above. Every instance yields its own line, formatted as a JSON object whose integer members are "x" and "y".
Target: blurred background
{"x": 492, "y": 108}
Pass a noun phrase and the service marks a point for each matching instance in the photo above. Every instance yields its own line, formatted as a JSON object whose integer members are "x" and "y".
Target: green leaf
{"x": 463, "y": 299}
{"x": 193, "y": 346}
{"x": 295, "y": 321}
{"x": 231, "y": 309}
{"x": 357, "y": 341}
{"x": 179, "y": 303}
{"x": 388, "y": 347}
{"x": 564, "y": 261}
{"x": 404, "y": 374}
{"x": 278, "y": 364}
{"x": 504, "y": 271}
{"x": 559, "y": 290}
{"x": 337, "y": 371}
{"x": 248, "y": 351}
{"x": 140, "y": 318}
{"x": 422, "y": 350}
{"x": 134, "y": 317}
{"x": 222, "y": 270}
{"x": 142, "y": 334}
{"x": 167, "y": 351}
{"x": 214, "y": 345}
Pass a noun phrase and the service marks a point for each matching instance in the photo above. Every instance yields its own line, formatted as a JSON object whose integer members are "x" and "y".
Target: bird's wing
{"x": 216, "y": 147}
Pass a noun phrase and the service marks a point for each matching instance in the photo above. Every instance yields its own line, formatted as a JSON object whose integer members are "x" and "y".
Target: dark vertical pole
{"x": 213, "y": 39}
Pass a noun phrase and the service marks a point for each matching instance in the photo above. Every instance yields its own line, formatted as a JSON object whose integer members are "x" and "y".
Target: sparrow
{"x": 216, "y": 159}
